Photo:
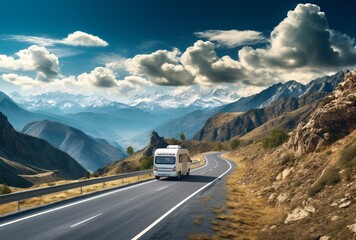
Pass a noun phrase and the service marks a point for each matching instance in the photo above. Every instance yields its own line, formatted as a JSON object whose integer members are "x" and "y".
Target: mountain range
{"x": 25, "y": 160}
{"x": 91, "y": 153}
{"x": 273, "y": 94}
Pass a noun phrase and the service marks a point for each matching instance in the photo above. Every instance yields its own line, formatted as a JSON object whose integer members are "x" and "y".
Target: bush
{"x": 5, "y": 189}
{"x": 146, "y": 162}
{"x": 330, "y": 177}
{"x": 234, "y": 144}
{"x": 277, "y": 138}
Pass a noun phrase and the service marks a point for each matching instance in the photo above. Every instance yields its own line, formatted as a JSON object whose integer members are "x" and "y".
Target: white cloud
{"x": 303, "y": 39}
{"x": 161, "y": 67}
{"x": 99, "y": 77}
{"x": 202, "y": 60}
{"x": 34, "y": 58}
{"x": 233, "y": 38}
{"x": 77, "y": 38}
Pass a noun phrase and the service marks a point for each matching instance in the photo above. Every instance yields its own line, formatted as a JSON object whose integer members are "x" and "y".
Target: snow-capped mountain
{"x": 60, "y": 102}
{"x": 200, "y": 99}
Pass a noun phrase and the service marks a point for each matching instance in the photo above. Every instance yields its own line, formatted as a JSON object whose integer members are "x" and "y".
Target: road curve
{"x": 125, "y": 213}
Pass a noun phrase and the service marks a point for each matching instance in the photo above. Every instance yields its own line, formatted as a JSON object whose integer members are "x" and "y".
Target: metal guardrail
{"x": 19, "y": 196}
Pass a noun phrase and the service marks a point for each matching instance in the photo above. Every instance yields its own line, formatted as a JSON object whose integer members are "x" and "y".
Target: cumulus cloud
{"x": 233, "y": 38}
{"x": 99, "y": 77}
{"x": 77, "y": 38}
{"x": 161, "y": 67}
{"x": 202, "y": 60}
{"x": 34, "y": 58}
{"x": 303, "y": 39}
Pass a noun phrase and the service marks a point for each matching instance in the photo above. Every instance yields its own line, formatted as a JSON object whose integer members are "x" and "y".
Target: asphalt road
{"x": 125, "y": 213}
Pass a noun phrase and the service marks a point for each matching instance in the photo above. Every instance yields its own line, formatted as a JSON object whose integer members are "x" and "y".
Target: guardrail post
{"x": 18, "y": 205}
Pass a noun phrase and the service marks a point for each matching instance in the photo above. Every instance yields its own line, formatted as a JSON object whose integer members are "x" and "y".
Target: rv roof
{"x": 174, "y": 147}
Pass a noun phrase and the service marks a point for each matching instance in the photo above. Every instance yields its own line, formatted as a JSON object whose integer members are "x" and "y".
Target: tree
{"x": 129, "y": 150}
{"x": 234, "y": 144}
{"x": 182, "y": 137}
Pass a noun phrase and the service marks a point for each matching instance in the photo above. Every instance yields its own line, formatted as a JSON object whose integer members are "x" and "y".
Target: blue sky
{"x": 117, "y": 48}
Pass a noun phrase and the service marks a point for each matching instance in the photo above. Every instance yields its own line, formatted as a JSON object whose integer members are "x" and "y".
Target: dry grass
{"x": 244, "y": 214}
{"x": 200, "y": 157}
{"x": 55, "y": 197}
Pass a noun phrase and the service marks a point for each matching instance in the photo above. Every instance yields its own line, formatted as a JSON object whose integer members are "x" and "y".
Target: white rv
{"x": 172, "y": 161}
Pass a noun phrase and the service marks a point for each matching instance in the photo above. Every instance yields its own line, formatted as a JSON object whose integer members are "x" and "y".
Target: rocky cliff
{"x": 333, "y": 120}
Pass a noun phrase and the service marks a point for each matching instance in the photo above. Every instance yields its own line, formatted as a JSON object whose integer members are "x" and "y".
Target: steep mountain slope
{"x": 91, "y": 153}
{"x": 16, "y": 115}
{"x": 280, "y": 91}
{"x": 334, "y": 119}
{"x": 23, "y": 154}
{"x": 240, "y": 124}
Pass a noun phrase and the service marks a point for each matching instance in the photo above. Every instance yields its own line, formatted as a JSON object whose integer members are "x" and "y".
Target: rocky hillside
{"x": 333, "y": 120}
{"x": 217, "y": 130}
{"x": 305, "y": 188}
{"x": 91, "y": 153}
{"x": 26, "y": 159}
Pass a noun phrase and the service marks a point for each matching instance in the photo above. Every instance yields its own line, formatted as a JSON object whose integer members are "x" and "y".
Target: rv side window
{"x": 165, "y": 160}
{"x": 180, "y": 158}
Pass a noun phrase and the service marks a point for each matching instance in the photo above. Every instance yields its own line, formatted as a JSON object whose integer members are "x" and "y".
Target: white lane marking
{"x": 210, "y": 170}
{"x": 161, "y": 188}
{"x": 72, "y": 204}
{"x": 88, "y": 219}
{"x": 84, "y": 200}
{"x": 203, "y": 173}
{"x": 179, "y": 204}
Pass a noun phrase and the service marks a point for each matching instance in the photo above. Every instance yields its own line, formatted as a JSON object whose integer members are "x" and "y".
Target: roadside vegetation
{"x": 277, "y": 138}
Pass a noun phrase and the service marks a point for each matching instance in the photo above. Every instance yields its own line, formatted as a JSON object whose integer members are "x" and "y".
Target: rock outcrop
{"x": 334, "y": 119}
{"x": 155, "y": 142}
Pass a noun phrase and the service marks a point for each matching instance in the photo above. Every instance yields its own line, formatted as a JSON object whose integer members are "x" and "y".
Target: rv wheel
{"x": 157, "y": 177}
{"x": 179, "y": 175}
{"x": 188, "y": 172}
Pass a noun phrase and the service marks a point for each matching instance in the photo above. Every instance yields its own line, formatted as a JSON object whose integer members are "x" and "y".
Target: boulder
{"x": 296, "y": 214}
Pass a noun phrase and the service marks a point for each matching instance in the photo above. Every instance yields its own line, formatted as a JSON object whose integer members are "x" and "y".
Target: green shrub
{"x": 330, "y": 177}
{"x": 234, "y": 144}
{"x": 5, "y": 189}
{"x": 277, "y": 138}
{"x": 146, "y": 162}
{"x": 182, "y": 137}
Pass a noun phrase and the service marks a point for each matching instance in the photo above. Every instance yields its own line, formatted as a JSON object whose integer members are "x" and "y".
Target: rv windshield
{"x": 165, "y": 160}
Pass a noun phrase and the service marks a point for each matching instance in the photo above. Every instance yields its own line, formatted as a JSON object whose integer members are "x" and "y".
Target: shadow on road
{"x": 191, "y": 178}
